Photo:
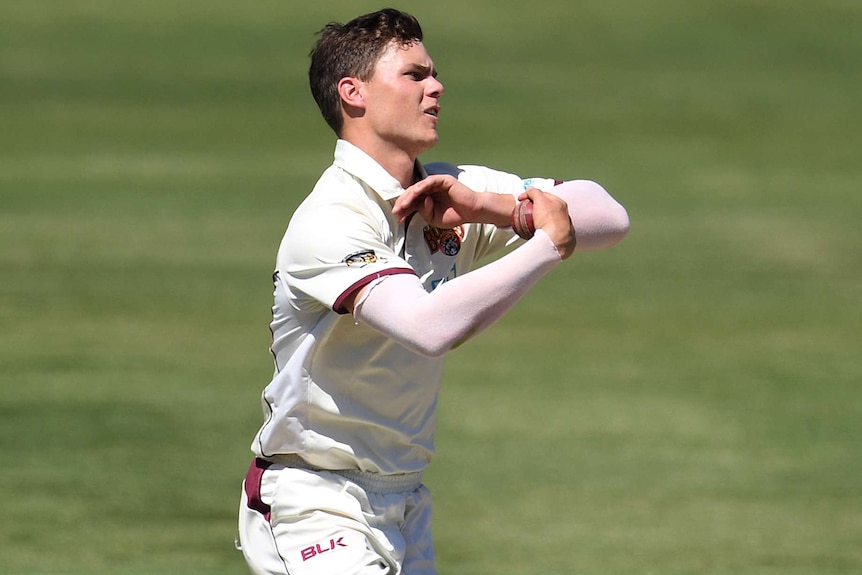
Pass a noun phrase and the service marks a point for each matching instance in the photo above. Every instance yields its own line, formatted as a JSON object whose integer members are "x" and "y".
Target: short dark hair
{"x": 352, "y": 50}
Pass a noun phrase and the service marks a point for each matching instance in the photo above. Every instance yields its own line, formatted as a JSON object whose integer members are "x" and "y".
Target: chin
{"x": 432, "y": 140}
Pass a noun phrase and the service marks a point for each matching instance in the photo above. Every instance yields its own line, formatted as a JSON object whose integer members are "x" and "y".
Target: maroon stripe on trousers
{"x": 252, "y": 486}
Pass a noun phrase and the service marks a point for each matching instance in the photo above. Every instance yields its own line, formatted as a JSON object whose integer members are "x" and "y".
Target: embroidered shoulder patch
{"x": 361, "y": 258}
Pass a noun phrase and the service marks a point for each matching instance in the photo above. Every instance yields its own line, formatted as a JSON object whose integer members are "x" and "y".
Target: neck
{"x": 400, "y": 163}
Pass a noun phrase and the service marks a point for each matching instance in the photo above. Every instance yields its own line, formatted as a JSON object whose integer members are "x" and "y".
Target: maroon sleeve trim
{"x": 338, "y": 306}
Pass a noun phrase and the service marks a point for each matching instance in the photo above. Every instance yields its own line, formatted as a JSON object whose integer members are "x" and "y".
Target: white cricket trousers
{"x": 294, "y": 520}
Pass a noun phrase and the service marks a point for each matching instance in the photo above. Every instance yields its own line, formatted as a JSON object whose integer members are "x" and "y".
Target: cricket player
{"x": 374, "y": 284}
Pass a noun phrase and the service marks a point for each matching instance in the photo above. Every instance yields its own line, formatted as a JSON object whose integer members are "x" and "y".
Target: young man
{"x": 374, "y": 284}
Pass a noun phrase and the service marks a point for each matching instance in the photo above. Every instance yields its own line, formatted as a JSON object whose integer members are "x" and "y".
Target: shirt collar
{"x": 361, "y": 166}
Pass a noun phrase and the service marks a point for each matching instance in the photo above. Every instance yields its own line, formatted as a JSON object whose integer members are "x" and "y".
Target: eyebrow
{"x": 428, "y": 70}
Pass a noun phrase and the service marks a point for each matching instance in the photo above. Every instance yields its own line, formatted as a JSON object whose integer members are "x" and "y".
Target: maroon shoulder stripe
{"x": 338, "y": 306}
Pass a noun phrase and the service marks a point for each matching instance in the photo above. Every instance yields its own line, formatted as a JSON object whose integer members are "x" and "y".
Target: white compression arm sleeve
{"x": 599, "y": 220}
{"x": 434, "y": 323}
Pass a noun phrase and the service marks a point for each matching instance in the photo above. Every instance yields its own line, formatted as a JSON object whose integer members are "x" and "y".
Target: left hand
{"x": 551, "y": 215}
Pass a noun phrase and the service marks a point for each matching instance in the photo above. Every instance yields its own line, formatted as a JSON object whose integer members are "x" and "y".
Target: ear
{"x": 351, "y": 92}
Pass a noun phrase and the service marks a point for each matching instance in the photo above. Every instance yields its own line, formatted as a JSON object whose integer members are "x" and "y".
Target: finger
{"x": 428, "y": 209}
{"x": 530, "y": 194}
{"x": 406, "y": 204}
{"x": 410, "y": 195}
{"x": 418, "y": 198}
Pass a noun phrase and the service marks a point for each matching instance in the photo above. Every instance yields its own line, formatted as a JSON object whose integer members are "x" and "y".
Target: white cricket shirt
{"x": 345, "y": 396}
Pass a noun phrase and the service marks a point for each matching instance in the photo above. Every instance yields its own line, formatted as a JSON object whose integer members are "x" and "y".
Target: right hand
{"x": 551, "y": 215}
{"x": 441, "y": 200}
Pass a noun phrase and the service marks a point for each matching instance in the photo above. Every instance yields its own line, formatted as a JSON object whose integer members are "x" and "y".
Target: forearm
{"x": 434, "y": 323}
{"x": 599, "y": 220}
{"x": 496, "y": 209}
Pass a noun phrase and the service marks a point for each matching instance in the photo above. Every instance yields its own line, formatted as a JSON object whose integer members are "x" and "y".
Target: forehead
{"x": 398, "y": 55}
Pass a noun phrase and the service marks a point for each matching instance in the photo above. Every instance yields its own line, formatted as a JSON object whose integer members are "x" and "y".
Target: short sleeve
{"x": 329, "y": 251}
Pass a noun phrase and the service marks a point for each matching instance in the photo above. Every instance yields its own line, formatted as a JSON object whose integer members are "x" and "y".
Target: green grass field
{"x": 686, "y": 403}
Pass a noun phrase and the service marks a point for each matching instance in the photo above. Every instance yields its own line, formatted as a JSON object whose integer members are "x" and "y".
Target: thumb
{"x": 427, "y": 211}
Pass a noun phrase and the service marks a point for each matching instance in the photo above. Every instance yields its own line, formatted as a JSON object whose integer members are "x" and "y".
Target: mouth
{"x": 433, "y": 111}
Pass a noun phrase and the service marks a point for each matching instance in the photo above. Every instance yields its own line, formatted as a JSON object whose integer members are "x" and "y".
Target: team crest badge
{"x": 447, "y": 242}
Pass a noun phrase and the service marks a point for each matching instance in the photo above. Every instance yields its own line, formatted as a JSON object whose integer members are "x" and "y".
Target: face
{"x": 402, "y": 99}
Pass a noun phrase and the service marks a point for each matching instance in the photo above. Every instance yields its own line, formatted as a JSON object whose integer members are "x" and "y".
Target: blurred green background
{"x": 688, "y": 402}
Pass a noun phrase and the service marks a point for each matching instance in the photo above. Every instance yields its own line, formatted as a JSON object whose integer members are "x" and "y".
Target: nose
{"x": 435, "y": 88}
